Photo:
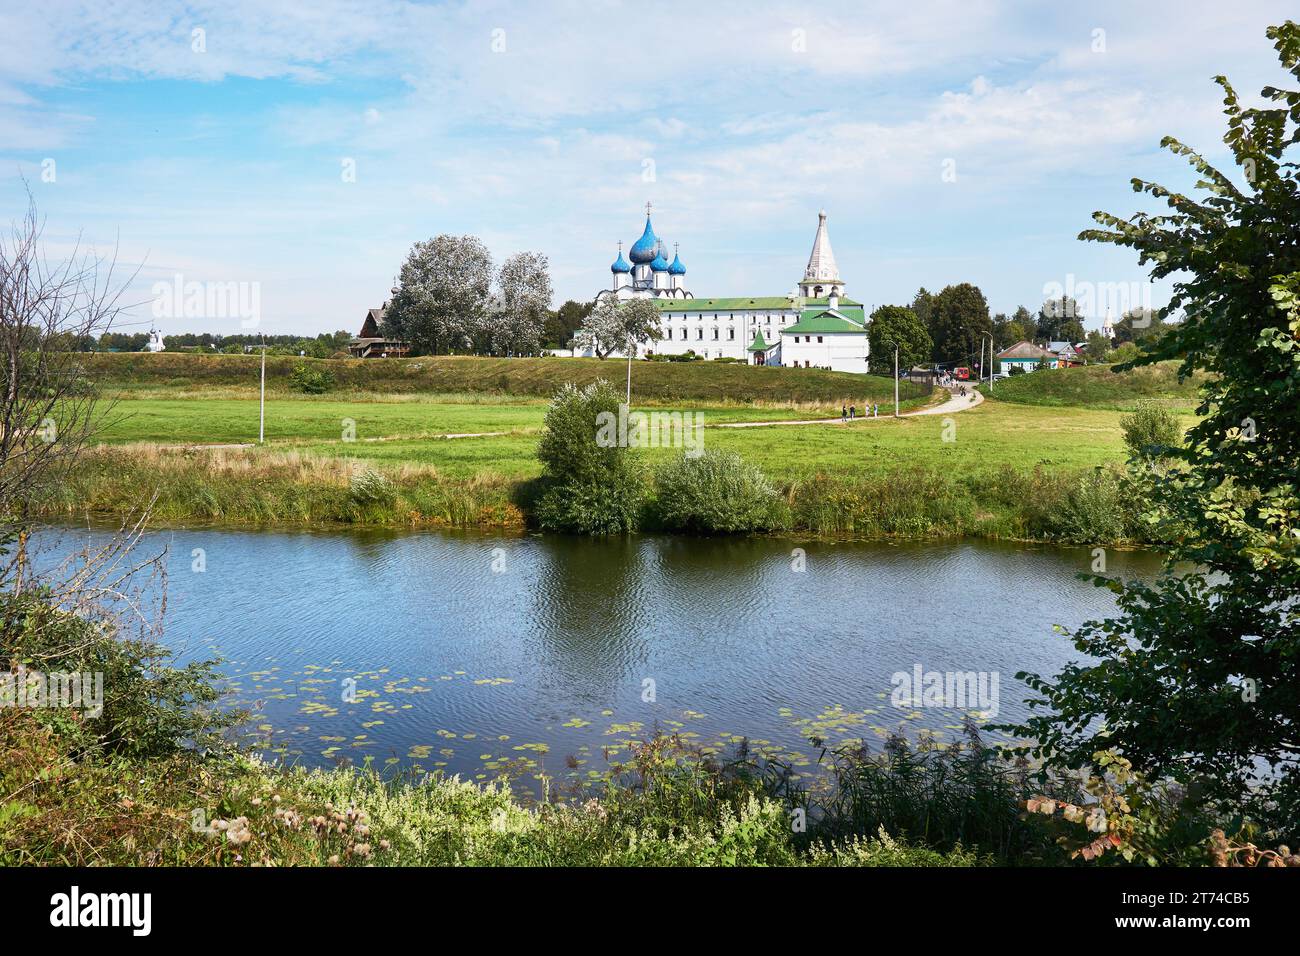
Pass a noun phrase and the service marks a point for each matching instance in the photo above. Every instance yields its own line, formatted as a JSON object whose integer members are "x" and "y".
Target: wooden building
{"x": 371, "y": 343}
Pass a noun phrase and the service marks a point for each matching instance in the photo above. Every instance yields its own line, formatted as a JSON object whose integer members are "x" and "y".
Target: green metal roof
{"x": 769, "y": 303}
{"x": 758, "y": 345}
{"x": 825, "y": 321}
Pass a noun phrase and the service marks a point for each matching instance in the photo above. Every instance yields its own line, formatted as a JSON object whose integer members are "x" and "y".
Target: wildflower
{"x": 237, "y": 832}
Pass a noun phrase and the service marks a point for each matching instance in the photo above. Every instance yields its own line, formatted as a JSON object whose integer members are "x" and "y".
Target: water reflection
{"x": 473, "y": 649}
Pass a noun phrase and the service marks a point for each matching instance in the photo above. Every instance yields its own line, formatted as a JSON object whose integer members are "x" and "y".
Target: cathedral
{"x": 815, "y": 326}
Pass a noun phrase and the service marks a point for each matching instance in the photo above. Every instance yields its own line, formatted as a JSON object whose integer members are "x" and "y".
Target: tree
{"x": 593, "y": 485}
{"x": 1138, "y": 324}
{"x": 923, "y": 304}
{"x": 1195, "y": 676}
{"x": 48, "y": 408}
{"x": 562, "y": 324}
{"x": 960, "y": 314}
{"x": 1009, "y": 331}
{"x": 619, "y": 327}
{"x": 1059, "y": 320}
{"x": 442, "y": 296}
{"x": 1097, "y": 347}
{"x": 897, "y": 325}
{"x": 524, "y": 298}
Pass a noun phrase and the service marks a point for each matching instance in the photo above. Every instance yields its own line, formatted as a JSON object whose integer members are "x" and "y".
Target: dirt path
{"x": 956, "y": 403}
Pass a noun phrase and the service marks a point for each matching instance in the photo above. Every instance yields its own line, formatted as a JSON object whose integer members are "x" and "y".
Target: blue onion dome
{"x": 620, "y": 264}
{"x": 659, "y": 263}
{"x": 647, "y": 247}
{"x": 677, "y": 268}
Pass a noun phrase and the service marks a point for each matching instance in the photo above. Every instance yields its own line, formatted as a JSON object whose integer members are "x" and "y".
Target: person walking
{"x": 853, "y": 412}
{"x": 844, "y": 414}
{"x": 875, "y": 410}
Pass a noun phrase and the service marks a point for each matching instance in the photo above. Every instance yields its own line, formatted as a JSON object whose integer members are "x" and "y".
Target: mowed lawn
{"x": 986, "y": 439}
{"x": 195, "y": 420}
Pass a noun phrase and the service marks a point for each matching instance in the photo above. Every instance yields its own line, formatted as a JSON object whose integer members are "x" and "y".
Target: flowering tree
{"x": 624, "y": 328}
{"x": 619, "y": 327}
{"x": 441, "y": 302}
{"x": 524, "y": 296}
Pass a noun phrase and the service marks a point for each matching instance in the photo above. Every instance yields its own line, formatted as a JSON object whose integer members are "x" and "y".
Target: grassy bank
{"x": 1005, "y": 469}
{"x": 663, "y": 808}
{"x": 538, "y": 378}
{"x": 1100, "y": 387}
{"x": 288, "y": 488}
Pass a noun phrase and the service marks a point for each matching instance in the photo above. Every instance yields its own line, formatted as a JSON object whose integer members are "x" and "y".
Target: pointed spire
{"x": 821, "y": 263}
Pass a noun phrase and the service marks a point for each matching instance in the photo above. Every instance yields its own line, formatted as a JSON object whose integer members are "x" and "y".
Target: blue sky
{"x": 534, "y": 127}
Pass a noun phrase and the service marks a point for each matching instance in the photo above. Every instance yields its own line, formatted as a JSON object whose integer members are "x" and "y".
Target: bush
{"x": 150, "y": 708}
{"x": 311, "y": 381}
{"x": 1151, "y": 431}
{"x": 371, "y": 488}
{"x": 592, "y": 484}
{"x": 1095, "y": 509}
{"x": 714, "y": 493}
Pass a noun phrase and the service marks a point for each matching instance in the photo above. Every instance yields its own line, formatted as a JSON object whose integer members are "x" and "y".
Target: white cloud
{"x": 543, "y": 145}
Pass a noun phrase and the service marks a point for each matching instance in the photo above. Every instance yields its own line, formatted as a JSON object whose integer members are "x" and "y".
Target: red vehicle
{"x": 962, "y": 374}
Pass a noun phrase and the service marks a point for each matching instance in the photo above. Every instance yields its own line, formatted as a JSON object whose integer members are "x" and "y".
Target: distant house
{"x": 1068, "y": 354}
{"x": 1026, "y": 356}
{"x": 371, "y": 343}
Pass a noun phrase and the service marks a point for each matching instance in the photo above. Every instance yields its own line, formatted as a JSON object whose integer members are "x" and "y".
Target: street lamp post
{"x": 990, "y": 338}
{"x": 261, "y": 423}
{"x": 895, "y": 380}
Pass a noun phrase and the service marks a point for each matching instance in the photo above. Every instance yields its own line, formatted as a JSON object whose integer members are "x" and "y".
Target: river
{"x": 473, "y": 653}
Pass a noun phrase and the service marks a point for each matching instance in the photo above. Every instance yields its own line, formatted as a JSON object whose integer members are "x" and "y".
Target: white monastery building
{"x": 816, "y": 326}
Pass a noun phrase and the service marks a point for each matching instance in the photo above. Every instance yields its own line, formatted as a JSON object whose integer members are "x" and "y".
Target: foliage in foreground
{"x": 1195, "y": 677}
{"x": 150, "y": 782}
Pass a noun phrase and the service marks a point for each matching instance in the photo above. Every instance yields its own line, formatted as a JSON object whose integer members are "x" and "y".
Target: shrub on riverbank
{"x": 252, "y": 486}
{"x": 714, "y": 493}
{"x": 591, "y": 484}
{"x": 1151, "y": 432}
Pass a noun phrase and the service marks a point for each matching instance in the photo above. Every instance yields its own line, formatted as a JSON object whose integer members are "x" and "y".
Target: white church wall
{"x": 839, "y": 351}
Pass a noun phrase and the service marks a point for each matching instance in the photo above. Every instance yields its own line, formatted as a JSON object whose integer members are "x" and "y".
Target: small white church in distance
{"x": 815, "y": 326}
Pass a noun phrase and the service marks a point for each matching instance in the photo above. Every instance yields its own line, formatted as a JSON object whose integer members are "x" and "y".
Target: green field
{"x": 1003, "y": 469}
{"x": 450, "y": 375}
{"x": 986, "y": 439}
{"x": 1100, "y": 386}
{"x": 203, "y": 420}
